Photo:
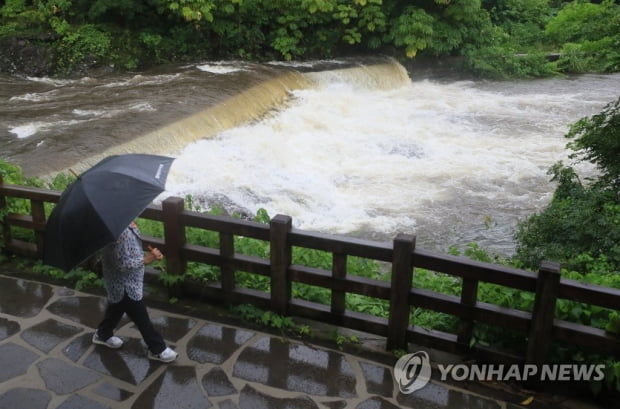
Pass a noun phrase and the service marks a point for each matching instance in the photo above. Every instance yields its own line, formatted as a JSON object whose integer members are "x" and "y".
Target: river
{"x": 367, "y": 150}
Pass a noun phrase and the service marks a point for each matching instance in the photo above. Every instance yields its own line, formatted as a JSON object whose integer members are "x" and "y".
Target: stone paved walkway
{"x": 49, "y": 362}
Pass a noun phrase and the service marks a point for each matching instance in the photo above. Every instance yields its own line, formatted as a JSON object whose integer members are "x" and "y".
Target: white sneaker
{"x": 112, "y": 342}
{"x": 167, "y": 355}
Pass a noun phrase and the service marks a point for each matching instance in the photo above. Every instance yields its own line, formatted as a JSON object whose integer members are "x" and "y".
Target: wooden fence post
{"x": 339, "y": 271}
{"x": 402, "y": 274}
{"x": 469, "y": 297}
{"x": 227, "y": 273}
{"x": 37, "y": 210}
{"x": 543, "y": 314}
{"x": 280, "y": 258}
{"x": 174, "y": 237}
{"x": 6, "y": 231}
{"x": 2, "y": 199}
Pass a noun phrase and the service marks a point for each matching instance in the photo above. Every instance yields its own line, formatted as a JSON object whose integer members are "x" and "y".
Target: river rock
{"x": 27, "y": 56}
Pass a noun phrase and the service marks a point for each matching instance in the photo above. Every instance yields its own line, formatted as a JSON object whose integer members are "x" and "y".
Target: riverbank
{"x": 33, "y": 56}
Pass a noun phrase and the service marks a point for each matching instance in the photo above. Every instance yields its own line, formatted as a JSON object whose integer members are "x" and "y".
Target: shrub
{"x": 582, "y": 218}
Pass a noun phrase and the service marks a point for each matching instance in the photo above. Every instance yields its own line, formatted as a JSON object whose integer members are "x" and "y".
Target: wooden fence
{"x": 540, "y": 327}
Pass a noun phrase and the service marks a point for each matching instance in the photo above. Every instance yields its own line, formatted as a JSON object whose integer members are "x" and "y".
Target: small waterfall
{"x": 384, "y": 76}
{"x": 251, "y": 105}
{"x": 247, "y": 106}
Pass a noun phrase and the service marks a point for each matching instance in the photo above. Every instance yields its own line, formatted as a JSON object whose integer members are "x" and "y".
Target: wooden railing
{"x": 540, "y": 327}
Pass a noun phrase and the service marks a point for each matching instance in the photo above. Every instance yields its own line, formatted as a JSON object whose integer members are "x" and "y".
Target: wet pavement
{"x": 48, "y": 361}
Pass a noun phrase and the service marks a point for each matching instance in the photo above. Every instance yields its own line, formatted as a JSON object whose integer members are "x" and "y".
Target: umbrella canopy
{"x": 95, "y": 209}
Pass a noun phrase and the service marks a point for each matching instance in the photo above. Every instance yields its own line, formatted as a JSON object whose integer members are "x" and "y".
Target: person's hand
{"x": 156, "y": 253}
{"x": 152, "y": 255}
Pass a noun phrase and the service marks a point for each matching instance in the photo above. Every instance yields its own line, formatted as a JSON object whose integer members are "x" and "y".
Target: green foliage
{"x": 413, "y": 30}
{"x": 586, "y": 222}
{"x": 597, "y": 140}
{"x": 583, "y": 33}
{"x": 613, "y": 324}
{"x": 13, "y": 8}
{"x": 582, "y": 220}
{"x": 503, "y": 60}
{"x": 523, "y": 22}
{"x": 170, "y": 280}
{"x": 11, "y": 174}
{"x": 87, "y": 42}
{"x": 499, "y": 38}
{"x": 152, "y": 42}
{"x": 367, "y": 305}
{"x": 598, "y": 271}
{"x": 507, "y": 12}
{"x": 55, "y": 13}
{"x": 262, "y": 216}
{"x": 612, "y": 374}
{"x": 574, "y": 60}
{"x": 20, "y": 17}
{"x": 81, "y": 278}
{"x": 270, "y": 319}
{"x": 61, "y": 181}
{"x": 578, "y": 21}
{"x": 121, "y": 11}
{"x": 604, "y": 54}
{"x": 588, "y": 36}
{"x": 342, "y": 340}
{"x": 202, "y": 272}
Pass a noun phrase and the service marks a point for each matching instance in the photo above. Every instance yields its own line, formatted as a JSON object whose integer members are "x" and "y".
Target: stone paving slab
{"x": 49, "y": 362}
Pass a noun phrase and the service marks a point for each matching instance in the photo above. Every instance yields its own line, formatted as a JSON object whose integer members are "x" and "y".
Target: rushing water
{"x": 347, "y": 149}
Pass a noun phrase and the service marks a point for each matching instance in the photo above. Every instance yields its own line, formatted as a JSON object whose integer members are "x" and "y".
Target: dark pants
{"x": 136, "y": 310}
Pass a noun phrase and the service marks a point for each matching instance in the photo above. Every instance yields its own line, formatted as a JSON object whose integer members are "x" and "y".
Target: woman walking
{"x": 123, "y": 273}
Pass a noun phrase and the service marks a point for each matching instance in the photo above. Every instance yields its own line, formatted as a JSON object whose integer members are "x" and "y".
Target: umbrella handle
{"x": 73, "y": 172}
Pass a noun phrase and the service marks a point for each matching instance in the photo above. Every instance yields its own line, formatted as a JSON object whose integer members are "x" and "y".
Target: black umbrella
{"x": 95, "y": 209}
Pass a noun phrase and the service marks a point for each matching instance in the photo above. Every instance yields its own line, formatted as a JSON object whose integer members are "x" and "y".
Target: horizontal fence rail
{"x": 540, "y": 327}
